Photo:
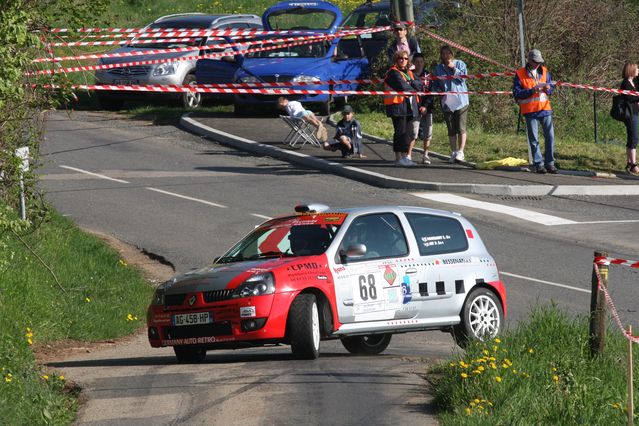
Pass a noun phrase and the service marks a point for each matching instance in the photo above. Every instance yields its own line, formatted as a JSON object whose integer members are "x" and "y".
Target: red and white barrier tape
{"x": 317, "y": 37}
{"x": 176, "y": 88}
{"x": 613, "y": 309}
{"x": 189, "y": 35}
{"x": 132, "y": 32}
{"x": 601, "y": 260}
{"x": 465, "y": 49}
{"x": 303, "y": 41}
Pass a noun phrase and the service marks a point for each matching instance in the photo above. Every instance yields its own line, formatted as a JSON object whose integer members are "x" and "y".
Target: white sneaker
{"x": 453, "y": 157}
{"x": 460, "y": 156}
{"x": 405, "y": 162}
{"x": 425, "y": 159}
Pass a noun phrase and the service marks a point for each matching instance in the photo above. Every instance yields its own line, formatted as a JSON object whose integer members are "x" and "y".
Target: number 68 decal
{"x": 367, "y": 289}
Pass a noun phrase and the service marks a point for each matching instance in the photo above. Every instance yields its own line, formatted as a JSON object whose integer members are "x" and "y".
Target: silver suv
{"x": 179, "y": 72}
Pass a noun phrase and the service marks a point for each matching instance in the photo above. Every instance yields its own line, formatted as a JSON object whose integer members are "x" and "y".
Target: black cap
{"x": 347, "y": 109}
{"x": 398, "y": 25}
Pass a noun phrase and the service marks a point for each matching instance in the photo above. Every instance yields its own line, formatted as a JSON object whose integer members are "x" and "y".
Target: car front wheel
{"x": 481, "y": 317}
{"x": 188, "y": 355}
{"x": 371, "y": 344}
{"x": 191, "y": 100}
{"x": 303, "y": 327}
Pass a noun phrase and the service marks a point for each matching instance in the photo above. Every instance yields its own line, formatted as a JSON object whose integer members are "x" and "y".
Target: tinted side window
{"x": 381, "y": 234}
{"x": 437, "y": 234}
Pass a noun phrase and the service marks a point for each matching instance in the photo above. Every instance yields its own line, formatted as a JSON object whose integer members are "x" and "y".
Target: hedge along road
{"x": 187, "y": 200}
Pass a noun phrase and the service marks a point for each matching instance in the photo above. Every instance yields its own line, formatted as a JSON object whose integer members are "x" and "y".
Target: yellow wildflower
{"x": 472, "y": 403}
{"x": 481, "y": 368}
{"x": 87, "y": 299}
{"x": 122, "y": 262}
{"x": 498, "y": 379}
{"x": 464, "y": 375}
{"x": 476, "y": 372}
{"x": 45, "y": 377}
{"x": 530, "y": 350}
{"x": 486, "y": 352}
{"x": 61, "y": 377}
{"x": 8, "y": 377}
{"x": 131, "y": 317}
{"x": 498, "y": 340}
{"x": 468, "y": 411}
{"x": 555, "y": 378}
{"x": 477, "y": 401}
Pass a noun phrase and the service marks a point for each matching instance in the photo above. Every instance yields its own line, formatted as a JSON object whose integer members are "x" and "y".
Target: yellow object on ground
{"x": 508, "y": 162}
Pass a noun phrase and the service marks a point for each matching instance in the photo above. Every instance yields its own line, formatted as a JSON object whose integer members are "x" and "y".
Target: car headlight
{"x": 305, "y": 79}
{"x": 257, "y": 285}
{"x": 158, "y": 295}
{"x": 166, "y": 68}
{"x": 249, "y": 79}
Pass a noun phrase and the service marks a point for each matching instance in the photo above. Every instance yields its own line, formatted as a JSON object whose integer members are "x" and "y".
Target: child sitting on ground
{"x": 295, "y": 109}
{"x": 348, "y": 136}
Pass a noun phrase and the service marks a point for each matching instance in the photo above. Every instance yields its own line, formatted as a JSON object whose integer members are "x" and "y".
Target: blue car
{"x": 334, "y": 59}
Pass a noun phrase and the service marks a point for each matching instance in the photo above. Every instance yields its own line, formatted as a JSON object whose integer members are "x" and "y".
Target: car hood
{"x": 143, "y": 56}
{"x": 283, "y": 66}
{"x": 220, "y": 277}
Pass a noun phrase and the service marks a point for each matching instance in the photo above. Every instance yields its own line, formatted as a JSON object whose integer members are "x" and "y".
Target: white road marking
{"x": 98, "y": 175}
{"x": 508, "y": 274}
{"x": 261, "y": 217}
{"x": 541, "y": 218}
{"x": 197, "y": 200}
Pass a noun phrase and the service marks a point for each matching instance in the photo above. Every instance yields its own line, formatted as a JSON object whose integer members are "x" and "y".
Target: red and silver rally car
{"x": 358, "y": 274}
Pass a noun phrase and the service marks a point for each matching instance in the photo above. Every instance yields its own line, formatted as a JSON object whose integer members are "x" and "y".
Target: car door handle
{"x": 411, "y": 271}
{"x": 348, "y": 302}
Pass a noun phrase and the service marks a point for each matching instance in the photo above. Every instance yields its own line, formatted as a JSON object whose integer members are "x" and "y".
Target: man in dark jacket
{"x": 402, "y": 42}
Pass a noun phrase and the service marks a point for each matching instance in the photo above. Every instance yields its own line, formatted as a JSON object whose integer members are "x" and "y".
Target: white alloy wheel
{"x": 316, "y": 326}
{"x": 484, "y": 317}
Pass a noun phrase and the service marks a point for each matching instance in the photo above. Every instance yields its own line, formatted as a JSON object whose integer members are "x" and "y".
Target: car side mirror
{"x": 339, "y": 57}
{"x": 228, "y": 58}
{"x": 354, "y": 251}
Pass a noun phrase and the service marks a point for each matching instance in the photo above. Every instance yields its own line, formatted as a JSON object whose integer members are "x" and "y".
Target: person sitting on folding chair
{"x": 348, "y": 136}
{"x": 296, "y": 110}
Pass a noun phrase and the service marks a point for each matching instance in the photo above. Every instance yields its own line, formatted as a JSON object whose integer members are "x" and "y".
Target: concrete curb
{"x": 384, "y": 181}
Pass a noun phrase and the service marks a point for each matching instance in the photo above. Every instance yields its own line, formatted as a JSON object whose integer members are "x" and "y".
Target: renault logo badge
{"x": 192, "y": 300}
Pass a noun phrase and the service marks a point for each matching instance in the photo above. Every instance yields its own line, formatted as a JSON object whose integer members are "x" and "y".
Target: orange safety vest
{"x": 538, "y": 101}
{"x": 396, "y": 99}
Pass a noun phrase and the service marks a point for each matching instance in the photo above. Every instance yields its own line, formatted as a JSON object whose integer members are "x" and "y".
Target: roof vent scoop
{"x": 311, "y": 208}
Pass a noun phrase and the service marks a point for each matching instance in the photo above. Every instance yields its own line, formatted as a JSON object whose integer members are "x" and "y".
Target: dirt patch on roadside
{"x": 153, "y": 270}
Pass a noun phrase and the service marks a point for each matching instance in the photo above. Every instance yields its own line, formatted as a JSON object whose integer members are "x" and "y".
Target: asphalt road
{"x": 187, "y": 199}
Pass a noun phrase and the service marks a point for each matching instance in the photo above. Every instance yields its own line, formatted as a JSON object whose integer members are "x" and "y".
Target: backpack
{"x": 620, "y": 110}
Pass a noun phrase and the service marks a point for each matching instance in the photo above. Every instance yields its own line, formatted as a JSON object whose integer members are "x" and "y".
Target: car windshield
{"x": 301, "y": 19}
{"x": 287, "y": 237}
{"x": 311, "y": 50}
{"x": 195, "y": 41}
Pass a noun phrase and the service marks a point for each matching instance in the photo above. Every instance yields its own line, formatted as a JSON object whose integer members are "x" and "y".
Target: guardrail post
{"x": 598, "y": 308}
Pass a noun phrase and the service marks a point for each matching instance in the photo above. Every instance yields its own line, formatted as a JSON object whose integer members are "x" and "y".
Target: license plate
{"x": 126, "y": 82}
{"x": 193, "y": 319}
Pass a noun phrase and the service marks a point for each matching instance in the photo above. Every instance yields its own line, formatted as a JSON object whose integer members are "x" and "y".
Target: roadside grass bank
{"x": 539, "y": 373}
{"x": 94, "y": 295}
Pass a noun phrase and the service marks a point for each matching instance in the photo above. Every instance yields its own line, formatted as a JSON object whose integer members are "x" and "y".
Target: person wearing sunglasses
{"x": 400, "y": 108}
{"x": 403, "y": 42}
{"x": 532, "y": 88}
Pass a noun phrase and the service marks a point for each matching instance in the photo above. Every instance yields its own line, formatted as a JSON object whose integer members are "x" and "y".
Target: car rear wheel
{"x": 188, "y": 355}
{"x": 481, "y": 317}
{"x": 191, "y": 100}
{"x": 371, "y": 344}
{"x": 304, "y": 327}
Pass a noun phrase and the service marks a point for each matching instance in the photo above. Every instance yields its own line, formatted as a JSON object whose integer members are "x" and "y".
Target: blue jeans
{"x": 532, "y": 125}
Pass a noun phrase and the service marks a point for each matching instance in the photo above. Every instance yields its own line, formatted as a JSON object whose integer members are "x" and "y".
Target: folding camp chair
{"x": 301, "y": 130}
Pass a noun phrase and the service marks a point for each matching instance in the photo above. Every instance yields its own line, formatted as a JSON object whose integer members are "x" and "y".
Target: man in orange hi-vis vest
{"x": 532, "y": 88}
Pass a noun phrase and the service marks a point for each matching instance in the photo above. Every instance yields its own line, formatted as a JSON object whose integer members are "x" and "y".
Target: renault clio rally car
{"x": 359, "y": 275}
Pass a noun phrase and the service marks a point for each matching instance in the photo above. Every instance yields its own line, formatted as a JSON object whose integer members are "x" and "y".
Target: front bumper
{"x": 242, "y": 322}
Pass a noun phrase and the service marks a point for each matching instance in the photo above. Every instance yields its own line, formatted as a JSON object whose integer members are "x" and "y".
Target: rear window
{"x": 437, "y": 234}
{"x": 301, "y": 19}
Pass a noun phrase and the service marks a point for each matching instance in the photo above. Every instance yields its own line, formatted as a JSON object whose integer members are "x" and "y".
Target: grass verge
{"x": 94, "y": 295}
{"x": 571, "y": 153}
{"x": 537, "y": 374}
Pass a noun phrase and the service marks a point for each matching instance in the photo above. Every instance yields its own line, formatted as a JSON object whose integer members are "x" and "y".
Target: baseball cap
{"x": 398, "y": 25}
{"x": 535, "y": 55}
{"x": 347, "y": 109}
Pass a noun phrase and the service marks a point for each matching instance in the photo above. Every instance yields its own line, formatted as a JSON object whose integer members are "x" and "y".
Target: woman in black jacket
{"x": 629, "y": 73}
{"x": 401, "y": 109}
